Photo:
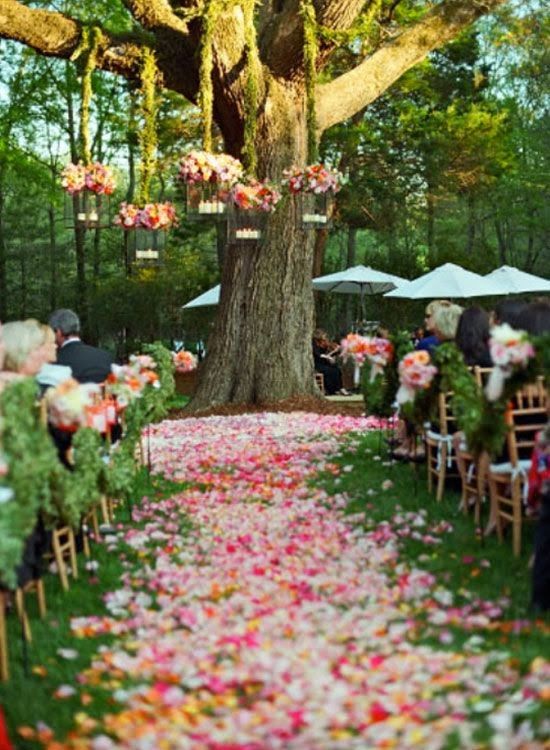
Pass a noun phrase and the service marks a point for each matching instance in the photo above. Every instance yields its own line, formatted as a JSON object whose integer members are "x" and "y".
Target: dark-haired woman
{"x": 472, "y": 337}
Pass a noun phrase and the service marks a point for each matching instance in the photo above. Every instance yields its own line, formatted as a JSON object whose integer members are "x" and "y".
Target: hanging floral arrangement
{"x": 96, "y": 177}
{"x": 255, "y": 196}
{"x": 203, "y": 166}
{"x": 184, "y": 361}
{"x": 316, "y": 178}
{"x": 208, "y": 179}
{"x": 152, "y": 216}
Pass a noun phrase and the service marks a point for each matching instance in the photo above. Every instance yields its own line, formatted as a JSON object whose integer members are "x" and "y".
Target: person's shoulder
{"x": 427, "y": 343}
{"x": 52, "y": 374}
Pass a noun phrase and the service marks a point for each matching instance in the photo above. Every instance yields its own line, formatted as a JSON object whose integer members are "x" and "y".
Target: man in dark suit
{"x": 88, "y": 363}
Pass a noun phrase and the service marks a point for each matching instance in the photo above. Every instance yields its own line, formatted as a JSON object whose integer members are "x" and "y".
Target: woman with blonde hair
{"x": 445, "y": 322}
{"x": 28, "y": 346}
{"x": 431, "y": 341}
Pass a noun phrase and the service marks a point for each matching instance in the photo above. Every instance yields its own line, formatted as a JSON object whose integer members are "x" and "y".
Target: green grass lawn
{"x": 470, "y": 567}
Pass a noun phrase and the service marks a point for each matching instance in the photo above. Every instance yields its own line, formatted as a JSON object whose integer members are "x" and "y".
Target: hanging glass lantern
{"x": 87, "y": 210}
{"x": 315, "y": 210}
{"x": 206, "y": 200}
{"x": 246, "y": 226}
{"x": 147, "y": 246}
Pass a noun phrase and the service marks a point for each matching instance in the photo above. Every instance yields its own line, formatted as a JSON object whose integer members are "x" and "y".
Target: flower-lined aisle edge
{"x": 278, "y": 622}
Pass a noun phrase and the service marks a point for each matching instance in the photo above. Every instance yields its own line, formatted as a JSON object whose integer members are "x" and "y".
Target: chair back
{"x": 526, "y": 416}
{"x": 447, "y": 421}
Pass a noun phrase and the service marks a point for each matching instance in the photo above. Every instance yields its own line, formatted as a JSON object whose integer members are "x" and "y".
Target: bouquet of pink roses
{"x": 151, "y": 216}
{"x": 203, "y": 166}
{"x": 416, "y": 373}
{"x": 96, "y": 177}
{"x": 509, "y": 349}
{"x": 255, "y": 195}
{"x": 315, "y": 178}
{"x": 184, "y": 361}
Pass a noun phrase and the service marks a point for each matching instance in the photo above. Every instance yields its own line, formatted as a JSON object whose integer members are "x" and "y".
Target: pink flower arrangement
{"x": 416, "y": 373}
{"x": 184, "y": 361}
{"x": 355, "y": 347}
{"x": 151, "y": 216}
{"x": 203, "y": 166}
{"x": 96, "y": 177}
{"x": 315, "y": 178}
{"x": 69, "y": 403}
{"x": 509, "y": 349}
{"x": 255, "y": 195}
{"x": 379, "y": 354}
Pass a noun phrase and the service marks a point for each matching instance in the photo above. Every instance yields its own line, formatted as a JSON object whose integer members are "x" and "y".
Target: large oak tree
{"x": 260, "y": 350}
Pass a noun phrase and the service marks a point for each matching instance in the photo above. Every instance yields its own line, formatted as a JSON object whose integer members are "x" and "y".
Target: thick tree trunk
{"x": 261, "y": 346}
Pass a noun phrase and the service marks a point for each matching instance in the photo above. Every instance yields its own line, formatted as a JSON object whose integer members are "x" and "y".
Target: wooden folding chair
{"x": 525, "y": 417}
{"x": 439, "y": 446}
{"x": 35, "y": 586}
{"x": 63, "y": 545}
{"x": 4, "y": 664}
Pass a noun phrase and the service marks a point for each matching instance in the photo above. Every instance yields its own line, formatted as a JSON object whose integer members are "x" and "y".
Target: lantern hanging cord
{"x": 90, "y": 44}
{"x": 148, "y": 133}
{"x": 311, "y": 48}
{"x": 251, "y": 87}
{"x": 206, "y": 91}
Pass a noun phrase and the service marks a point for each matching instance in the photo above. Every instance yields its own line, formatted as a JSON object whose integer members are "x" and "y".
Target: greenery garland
{"x": 251, "y": 87}
{"x": 206, "y": 91}
{"x": 148, "y": 133}
{"x": 481, "y": 420}
{"x": 30, "y": 456}
{"x": 311, "y": 49}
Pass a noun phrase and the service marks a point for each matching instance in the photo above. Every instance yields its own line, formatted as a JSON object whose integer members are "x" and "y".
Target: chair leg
{"x": 22, "y": 614}
{"x": 59, "y": 559}
{"x": 516, "y": 512}
{"x": 442, "y": 474}
{"x": 72, "y": 554}
{"x": 41, "y": 597}
{"x": 4, "y": 665}
{"x": 494, "y": 515}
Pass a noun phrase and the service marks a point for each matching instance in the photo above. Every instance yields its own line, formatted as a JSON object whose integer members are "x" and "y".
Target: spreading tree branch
{"x": 54, "y": 34}
{"x": 354, "y": 90}
{"x": 156, "y": 14}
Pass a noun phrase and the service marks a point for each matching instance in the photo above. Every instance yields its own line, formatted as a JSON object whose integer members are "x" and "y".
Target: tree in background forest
{"x": 262, "y": 63}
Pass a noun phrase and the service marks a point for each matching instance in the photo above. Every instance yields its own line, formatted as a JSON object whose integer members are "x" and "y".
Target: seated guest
{"x": 430, "y": 341}
{"x": 507, "y": 311}
{"x": 24, "y": 352}
{"x": 445, "y": 322}
{"x": 535, "y": 318}
{"x": 88, "y": 363}
{"x": 325, "y": 362}
{"x": 472, "y": 337}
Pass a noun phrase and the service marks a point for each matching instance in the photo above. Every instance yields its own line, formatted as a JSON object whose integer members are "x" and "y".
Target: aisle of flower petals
{"x": 275, "y": 621}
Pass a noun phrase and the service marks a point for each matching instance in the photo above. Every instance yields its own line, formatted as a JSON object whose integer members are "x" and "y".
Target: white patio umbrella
{"x": 514, "y": 281}
{"x": 449, "y": 280}
{"x": 211, "y": 297}
{"x": 360, "y": 280}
